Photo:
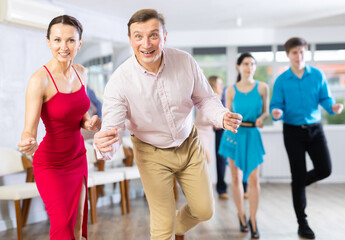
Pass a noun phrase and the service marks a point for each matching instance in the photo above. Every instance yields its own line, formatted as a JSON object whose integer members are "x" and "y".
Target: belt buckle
{"x": 304, "y": 126}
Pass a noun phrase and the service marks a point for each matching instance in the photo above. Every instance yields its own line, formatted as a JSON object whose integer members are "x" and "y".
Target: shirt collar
{"x": 143, "y": 70}
{"x": 307, "y": 71}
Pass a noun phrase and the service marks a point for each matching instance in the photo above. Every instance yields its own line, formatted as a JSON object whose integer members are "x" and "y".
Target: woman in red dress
{"x": 56, "y": 93}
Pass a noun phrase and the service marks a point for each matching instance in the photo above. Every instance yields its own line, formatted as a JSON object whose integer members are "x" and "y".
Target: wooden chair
{"x": 97, "y": 178}
{"x": 130, "y": 171}
{"x": 12, "y": 162}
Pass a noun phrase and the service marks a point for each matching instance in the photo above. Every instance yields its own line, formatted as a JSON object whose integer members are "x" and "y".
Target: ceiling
{"x": 183, "y": 15}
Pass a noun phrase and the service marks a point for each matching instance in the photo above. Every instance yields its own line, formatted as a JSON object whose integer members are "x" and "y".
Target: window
{"x": 272, "y": 61}
{"x": 212, "y": 61}
{"x": 99, "y": 71}
{"x": 330, "y": 59}
{"x": 329, "y": 52}
{"x": 260, "y": 53}
{"x": 335, "y": 73}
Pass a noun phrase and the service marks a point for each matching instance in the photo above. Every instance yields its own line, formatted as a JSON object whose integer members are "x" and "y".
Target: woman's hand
{"x": 28, "y": 146}
{"x": 259, "y": 122}
{"x": 93, "y": 124}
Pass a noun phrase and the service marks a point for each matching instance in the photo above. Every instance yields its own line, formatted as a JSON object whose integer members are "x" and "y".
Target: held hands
{"x": 104, "y": 139}
{"x": 277, "y": 113}
{"x": 259, "y": 122}
{"x": 231, "y": 121}
{"x": 337, "y": 108}
{"x": 93, "y": 123}
{"x": 28, "y": 146}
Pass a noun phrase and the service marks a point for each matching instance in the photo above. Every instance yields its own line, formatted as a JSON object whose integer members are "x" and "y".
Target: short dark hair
{"x": 240, "y": 60}
{"x": 67, "y": 20}
{"x": 295, "y": 42}
{"x": 144, "y": 15}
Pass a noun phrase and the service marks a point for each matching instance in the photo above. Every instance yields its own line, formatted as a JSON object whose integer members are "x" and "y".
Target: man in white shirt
{"x": 156, "y": 90}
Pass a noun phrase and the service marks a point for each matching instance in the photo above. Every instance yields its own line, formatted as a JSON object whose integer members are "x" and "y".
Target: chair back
{"x": 11, "y": 161}
{"x": 90, "y": 153}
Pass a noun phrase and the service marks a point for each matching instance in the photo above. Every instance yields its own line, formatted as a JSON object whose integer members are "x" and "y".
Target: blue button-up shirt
{"x": 299, "y": 98}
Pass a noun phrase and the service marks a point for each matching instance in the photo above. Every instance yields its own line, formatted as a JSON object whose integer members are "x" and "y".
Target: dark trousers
{"x": 221, "y": 164}
{"x": 298, "y": 140}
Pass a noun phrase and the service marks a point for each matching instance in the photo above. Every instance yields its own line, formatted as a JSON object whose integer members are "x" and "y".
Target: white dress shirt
{"x": 159, "y": 106}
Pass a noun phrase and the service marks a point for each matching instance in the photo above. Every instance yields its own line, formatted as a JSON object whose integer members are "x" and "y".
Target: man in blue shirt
{"x": 296, "y": 95}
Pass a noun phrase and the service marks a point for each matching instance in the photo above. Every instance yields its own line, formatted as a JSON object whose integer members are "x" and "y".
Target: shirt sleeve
{"x": 325, "y": 96}
{"x": 204, "y": 99}
{"x": 278, "y": 99}
{"x": 114, "y": 114}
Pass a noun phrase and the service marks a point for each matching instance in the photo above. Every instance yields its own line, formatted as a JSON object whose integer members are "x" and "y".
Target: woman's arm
{"x": 229, "y": 96}
{"x": 33, "y": 105}
{"x": 263, "y": 90}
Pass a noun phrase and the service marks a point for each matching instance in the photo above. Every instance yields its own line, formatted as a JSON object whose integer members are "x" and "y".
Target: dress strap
{"x": 51, "y": 77}
{"x": 78, "y": 76}
{"x": 256, "y": 84}
{"x": 236, "y": 90}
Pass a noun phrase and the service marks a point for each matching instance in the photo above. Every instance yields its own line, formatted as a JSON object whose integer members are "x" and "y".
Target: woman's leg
{"x": 237, "y": 189}
{"x": 79, "y": 222}
{"x": 253, "y": 195}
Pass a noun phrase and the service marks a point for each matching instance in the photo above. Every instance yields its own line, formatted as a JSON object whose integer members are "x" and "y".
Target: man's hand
{"x": 231, "y": 121}
{"x": 104, "y": 139}
{"x": 337, "y": 108}
{"x": 277, "y": 113}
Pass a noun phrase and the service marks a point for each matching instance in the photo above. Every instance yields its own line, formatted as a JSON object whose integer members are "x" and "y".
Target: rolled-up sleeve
{"x": 278, "y": 100}
{"x": 114, "y": 114}
{"x": 325, "y": 96}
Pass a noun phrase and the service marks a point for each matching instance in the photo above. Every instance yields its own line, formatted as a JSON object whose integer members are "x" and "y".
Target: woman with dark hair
{"x": 245, "y": 150}
{"x": 56, "y": 93}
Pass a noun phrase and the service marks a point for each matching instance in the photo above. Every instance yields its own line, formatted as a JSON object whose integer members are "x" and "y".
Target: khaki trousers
{"x": 157, "y": 168}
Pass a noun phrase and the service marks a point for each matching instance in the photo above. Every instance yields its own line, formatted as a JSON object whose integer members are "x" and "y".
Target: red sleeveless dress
{"x": 60, "y": 161}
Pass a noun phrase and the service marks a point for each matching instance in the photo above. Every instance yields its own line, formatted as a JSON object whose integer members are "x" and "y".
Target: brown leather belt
{"x": 247, "y": 124}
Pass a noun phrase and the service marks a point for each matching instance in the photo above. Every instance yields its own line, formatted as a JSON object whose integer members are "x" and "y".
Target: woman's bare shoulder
{"x": 82, "y": 71}
{"x": 39, "y": 78}
{"x": 230, "y": 91}
{"x": 262, "y": 86}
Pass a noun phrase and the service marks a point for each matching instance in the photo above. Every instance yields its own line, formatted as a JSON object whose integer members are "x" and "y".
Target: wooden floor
{"x": 276, "y": 219}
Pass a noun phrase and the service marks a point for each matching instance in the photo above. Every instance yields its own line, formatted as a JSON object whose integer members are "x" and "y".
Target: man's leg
{"x": 294, "y": 140}
{"x": 195, "y": 182}
{"x": 319, "y": 155}
{"x": 158, "y": 181}
{"x": 221, "y": 165}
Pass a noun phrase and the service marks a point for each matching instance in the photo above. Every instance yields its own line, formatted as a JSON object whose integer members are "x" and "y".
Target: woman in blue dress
{"x": 245, "y": 150}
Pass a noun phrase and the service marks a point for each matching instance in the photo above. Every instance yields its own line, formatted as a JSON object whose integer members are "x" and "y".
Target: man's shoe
{"x": 224, "y": 196}
{"x": 305, "y": 231}
{"x": 179, "y": 237}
